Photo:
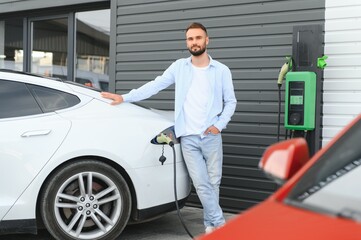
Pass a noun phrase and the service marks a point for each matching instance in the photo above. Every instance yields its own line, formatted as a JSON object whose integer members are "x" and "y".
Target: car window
{"x": 51, "y": 100}
{"x": 104, "y": 86}
{"x": 84, "y": 81}
{"x": 16, "y": 100}
{"x": 332, "y": 184}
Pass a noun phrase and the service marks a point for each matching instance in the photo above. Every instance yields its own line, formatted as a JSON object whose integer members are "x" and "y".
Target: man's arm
{"x": 229, "y": 101}
{"x": 147, "y": 90}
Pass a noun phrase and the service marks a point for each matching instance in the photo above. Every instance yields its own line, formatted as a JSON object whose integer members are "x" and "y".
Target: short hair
{"x": 197, "y": 25}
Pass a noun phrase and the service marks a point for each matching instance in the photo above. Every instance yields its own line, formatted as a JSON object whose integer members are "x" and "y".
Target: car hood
{"x": 274, "y": 220}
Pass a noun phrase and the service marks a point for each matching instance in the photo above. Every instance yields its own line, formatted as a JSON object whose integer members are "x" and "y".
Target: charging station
{"x": 303, "y": 88}
{"x": 300, "y": 101}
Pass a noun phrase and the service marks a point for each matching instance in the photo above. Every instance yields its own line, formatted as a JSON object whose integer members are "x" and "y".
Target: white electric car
{"x": 77, "y": 165}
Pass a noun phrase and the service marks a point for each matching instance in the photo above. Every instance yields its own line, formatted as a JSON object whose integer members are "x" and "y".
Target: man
{"x": 204, "y": 104}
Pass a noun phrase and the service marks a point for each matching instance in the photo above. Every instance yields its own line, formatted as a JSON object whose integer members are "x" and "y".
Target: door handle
{"x": 36, "y": 133}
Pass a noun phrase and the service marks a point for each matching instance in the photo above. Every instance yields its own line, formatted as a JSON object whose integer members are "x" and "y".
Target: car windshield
{"x": 332, "y": 184}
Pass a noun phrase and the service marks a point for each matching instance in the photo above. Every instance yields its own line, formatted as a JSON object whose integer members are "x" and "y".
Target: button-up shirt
{"x": 222, "y": 102}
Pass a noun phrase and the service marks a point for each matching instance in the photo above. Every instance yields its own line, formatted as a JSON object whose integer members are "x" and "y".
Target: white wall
{"x": 342, "y": 76}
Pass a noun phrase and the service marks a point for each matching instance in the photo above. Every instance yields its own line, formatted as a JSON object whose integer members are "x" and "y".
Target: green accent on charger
{"x": 321, "y": 62}
{"x": 300, "y": 100}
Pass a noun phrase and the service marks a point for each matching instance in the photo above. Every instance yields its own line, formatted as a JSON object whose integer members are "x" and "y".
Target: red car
{"x": 320, "y": 200}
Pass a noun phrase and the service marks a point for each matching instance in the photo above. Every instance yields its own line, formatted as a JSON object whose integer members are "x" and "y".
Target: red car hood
{"x": 273, "y": 220}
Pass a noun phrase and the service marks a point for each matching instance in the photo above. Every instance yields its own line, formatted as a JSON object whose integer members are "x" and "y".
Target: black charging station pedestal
{"x": 307, "y": 47}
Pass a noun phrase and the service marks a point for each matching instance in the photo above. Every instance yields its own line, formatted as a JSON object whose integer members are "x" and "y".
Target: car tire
{"x": 73, "y": 209}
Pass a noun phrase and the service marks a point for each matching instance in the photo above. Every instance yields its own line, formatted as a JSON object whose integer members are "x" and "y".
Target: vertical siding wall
{"x": 252, "y": 37}
{"x": 342, "y": 76}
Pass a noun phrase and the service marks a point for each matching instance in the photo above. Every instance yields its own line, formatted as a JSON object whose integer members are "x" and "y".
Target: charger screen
{"x": 296, "y": 100}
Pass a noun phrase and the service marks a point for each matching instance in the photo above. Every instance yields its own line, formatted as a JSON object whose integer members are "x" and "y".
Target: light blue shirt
{"x": 222, "y": 102}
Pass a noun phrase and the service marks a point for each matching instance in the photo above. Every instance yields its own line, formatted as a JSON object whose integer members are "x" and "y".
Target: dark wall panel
{"x": 252, "y": 37}
{"x": 8, "y": 6}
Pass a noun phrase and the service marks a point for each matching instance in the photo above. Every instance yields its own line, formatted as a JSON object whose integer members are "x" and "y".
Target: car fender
{"x": 25, "y": 206}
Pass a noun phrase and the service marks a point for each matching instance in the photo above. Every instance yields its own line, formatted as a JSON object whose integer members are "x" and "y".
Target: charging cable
{"x": 286, "y": 67}
{"x": 163, "y": 138}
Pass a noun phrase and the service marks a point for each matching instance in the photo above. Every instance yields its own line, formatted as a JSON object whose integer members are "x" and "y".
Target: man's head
{"x": 197, "y": 39}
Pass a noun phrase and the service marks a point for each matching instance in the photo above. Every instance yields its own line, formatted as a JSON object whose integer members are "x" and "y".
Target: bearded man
{"x": 204, "y": 104}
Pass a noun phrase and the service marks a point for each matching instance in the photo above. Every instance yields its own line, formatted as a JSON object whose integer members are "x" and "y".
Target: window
{"x": 49, "y": 47}
{"x": 92, "y": 51}
{"x": 71, "y": 45}
{"x": 19, "y": 99}
{"x": 51, "y": 100}
{"x": 16, "y": 100}
{"x": 11, "y": 44}
{"x": 332, "y": 184}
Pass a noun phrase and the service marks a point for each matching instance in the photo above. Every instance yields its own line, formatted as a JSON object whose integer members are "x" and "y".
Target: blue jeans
{"x": 204, "y": 159}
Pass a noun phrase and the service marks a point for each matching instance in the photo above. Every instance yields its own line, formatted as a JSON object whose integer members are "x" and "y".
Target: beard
{"x": 198, "y": 52}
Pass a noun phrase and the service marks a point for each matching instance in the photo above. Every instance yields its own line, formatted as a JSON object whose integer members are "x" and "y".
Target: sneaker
{"x": 209, "y": 229}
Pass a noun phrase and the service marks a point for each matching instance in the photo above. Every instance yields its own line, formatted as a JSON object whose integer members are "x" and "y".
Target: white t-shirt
{"x": 195, "y": 105}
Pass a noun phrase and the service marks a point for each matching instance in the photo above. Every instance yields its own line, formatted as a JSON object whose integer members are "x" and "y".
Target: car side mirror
{"x": 282, "y": 160}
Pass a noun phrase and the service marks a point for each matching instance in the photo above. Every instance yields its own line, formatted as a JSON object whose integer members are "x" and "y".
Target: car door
{"x": 29, "y": 136}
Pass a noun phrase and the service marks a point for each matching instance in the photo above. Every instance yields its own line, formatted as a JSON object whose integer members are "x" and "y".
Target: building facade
{"x": 342, "y": 79}
{"x": 139, "y": 39}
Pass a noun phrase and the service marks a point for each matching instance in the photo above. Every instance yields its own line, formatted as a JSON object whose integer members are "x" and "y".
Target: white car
{"x": 78, "y": 165}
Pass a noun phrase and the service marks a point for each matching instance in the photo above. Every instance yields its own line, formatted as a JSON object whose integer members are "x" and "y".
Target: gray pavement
{"x": 167, "y": 227}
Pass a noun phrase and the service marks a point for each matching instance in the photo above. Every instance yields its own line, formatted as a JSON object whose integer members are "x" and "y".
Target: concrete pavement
{"x": 167, "y": 227}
